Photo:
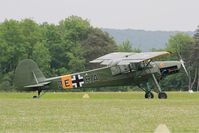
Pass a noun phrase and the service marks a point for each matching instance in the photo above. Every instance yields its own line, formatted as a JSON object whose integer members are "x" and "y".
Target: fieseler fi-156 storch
{"x": 119, "y": 69}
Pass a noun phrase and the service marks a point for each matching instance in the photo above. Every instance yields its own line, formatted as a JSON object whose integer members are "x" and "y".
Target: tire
{"x": 162, "y": 95}
{"x": 149, "y": 95}
{"x": 34, "y": 97}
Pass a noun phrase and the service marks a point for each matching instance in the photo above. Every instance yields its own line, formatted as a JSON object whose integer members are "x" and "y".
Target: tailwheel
{"x": 149, "y": 95}
{"x": 162, "y": 95}
{"x": 38, "y": 96}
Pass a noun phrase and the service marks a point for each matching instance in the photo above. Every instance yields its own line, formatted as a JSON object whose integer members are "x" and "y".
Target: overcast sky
{"x": 119, "y": 14}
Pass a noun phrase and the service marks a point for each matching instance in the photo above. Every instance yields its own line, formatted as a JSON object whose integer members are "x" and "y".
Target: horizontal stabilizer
{"x": 37, "y": 85}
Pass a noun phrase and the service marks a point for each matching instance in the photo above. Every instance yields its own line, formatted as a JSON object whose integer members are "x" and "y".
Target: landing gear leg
{"x": 38, "y": 96}
{"x": 148, "y": 93}
{"x": 161, "y": 94}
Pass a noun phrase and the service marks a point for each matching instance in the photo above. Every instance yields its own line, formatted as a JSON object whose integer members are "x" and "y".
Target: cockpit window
{"x": 115, "y": 70}
{"x": 120, "y": 69}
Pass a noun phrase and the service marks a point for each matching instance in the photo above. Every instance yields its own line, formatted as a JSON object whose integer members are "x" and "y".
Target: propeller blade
{"x": 183, "y": 65}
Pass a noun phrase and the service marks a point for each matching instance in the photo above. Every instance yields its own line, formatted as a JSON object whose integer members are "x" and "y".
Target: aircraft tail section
{"x": 28, "y": 75}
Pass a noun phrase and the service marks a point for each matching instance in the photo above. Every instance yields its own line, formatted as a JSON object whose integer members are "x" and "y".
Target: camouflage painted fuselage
{"x": 28, "y": 76}
{"x": 121, "y": 76}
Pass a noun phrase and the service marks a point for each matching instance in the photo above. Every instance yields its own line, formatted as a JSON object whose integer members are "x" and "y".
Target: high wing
{"x": 125, "y": 58}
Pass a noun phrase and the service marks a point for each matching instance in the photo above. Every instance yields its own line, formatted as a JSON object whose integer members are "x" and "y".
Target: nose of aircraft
{"x": 168, "y": 67}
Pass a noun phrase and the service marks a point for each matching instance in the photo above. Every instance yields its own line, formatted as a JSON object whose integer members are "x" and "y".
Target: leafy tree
{"x": 71, "y": 30}
{"x": 32, "y": 35}
{"x": 52, "y": 39}
{"x": 195, "y": 57}
{"x": 41, "y": 55}
{"x": 180, "y": 44}
{"x": 74, "y": 28}
{"x": 126, "y": 46}
{"x": 96, "y": 44}
{"x": 11, "y": 45}
{"x": 11, "y": 49}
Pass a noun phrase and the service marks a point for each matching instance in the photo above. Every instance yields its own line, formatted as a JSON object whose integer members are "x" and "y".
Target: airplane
{"x": 118, "y": 69}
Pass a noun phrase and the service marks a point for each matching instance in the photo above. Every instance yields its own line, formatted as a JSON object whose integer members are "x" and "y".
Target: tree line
{"x": 68, "y": 47}
{"x": 58, "y": 49}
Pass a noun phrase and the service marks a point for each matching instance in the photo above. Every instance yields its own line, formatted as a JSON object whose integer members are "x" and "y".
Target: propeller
{"x": 185, "y": 69}
{"x": 183, "y": 64}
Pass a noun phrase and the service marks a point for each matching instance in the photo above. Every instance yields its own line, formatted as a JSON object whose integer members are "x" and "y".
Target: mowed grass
{"x": 102, "y": 112}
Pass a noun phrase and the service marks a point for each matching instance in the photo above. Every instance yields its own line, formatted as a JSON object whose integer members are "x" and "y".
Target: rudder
{"x": 27, "y": 73}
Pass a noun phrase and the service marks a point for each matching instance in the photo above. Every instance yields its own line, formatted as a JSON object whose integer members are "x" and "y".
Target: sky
{"x": 169, "y": 15}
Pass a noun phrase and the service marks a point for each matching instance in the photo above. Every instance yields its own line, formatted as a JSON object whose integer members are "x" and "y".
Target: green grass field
{"x": 102, "y": 112}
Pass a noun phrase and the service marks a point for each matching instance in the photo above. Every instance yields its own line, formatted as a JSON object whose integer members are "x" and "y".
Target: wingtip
{"x": 170, "y": 52}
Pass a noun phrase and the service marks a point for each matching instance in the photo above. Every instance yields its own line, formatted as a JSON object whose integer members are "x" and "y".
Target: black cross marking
{"x": 77, "y": 81}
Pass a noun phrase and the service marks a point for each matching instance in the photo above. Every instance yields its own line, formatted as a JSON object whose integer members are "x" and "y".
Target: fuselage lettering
{"x": 91, "y": 78}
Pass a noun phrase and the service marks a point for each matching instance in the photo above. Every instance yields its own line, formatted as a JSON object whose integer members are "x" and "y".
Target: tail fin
{"x": 28, "y": 74}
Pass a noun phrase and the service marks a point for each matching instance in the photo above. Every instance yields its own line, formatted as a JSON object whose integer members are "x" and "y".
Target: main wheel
{"x": 34, "y": 97}
{"x": 162, "y": 95}
{"x": 149, "y": 95}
